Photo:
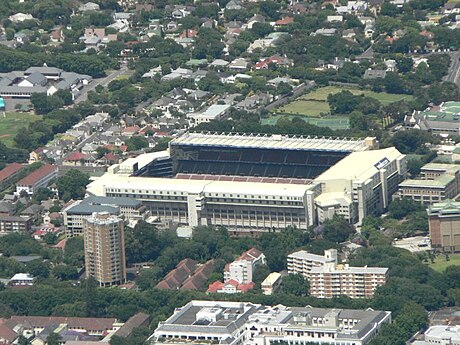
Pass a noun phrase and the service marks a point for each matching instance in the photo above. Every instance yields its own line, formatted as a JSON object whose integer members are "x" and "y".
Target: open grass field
{"x": 333, "y": 122}
{"x": 440, "y": 263}
{"x": 314, "y": 104}
{"x": 383, "y": 97}
{"x": 12, "y": 122}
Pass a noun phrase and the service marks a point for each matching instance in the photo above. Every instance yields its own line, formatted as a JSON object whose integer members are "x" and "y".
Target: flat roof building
{"x": 127, "y": 208}
{"x": 242, "y": 323}
{"x": 332, "y": 280}
{"x": 444, "y": 225}
{"x": 361, "y": 184}
{"x": 438, "y": 182}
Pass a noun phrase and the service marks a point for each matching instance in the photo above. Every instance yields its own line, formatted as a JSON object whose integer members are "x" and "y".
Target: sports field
{"x": 12, "y": 122}
{"x": 440, "y": 263}
{"x": 314, "y": 104}
{"x": 334, "y": 122}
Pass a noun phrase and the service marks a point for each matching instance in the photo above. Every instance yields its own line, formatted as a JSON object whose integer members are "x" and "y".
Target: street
{"x": 102, "y": 81}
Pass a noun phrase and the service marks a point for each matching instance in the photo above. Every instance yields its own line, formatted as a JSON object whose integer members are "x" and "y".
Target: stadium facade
{"x": 258, "y": 183}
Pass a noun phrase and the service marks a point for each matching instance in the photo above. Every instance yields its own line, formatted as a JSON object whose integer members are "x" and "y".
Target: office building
{"x": 444, "y": 225}
{"x": 302, "y": 262}
{"x": 37, "y": 179}
{"x": 333, "y": 280}
{"x": 438, "y": 182}
{"x": 126, "y": 208}
{"x": 360, "y": 185}
{"x": 241, "y": 323}
{"x": 105, "y": 248}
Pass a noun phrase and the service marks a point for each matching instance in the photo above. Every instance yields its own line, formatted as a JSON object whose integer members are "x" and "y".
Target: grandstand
{"x": 273, "y": 156}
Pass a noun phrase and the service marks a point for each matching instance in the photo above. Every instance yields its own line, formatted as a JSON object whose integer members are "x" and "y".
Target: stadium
{"x": 252, "y": 183}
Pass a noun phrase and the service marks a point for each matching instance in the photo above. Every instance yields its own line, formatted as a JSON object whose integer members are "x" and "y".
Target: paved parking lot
{"x": 414, "y": 244}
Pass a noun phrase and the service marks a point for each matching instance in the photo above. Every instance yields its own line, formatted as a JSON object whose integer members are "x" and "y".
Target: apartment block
{"x": 333, "y": 280}
{"x": 105, "y": 249}
{"x": 444, "y": 225}
{"x": 437, "y": 183}
{"x": 13, "y": 224}
{"x": 243, "y": 323}
{"x": 37, "y": 179}
{"x": 302, "y": 262}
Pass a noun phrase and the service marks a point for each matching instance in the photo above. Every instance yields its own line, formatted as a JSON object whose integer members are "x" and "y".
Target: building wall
{"x": 105, "y": 249}
{"x": 445, "y": 232}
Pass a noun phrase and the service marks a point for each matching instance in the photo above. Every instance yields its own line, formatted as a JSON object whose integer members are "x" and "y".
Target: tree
{"x": 400, "y": 208}
{"x": 136, "y": 142}
{"x": 295, "y": 284}
{"x": 337, "y": 229}
{"x": 72, "y": 185}
{"x": 53, "y": 339}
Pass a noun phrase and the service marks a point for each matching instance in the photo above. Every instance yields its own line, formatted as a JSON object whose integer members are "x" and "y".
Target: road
{"x": 103, "y": 82}
{"x": 454, "y": 69}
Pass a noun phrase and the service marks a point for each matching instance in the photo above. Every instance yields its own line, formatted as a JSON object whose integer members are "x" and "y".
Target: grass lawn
{"x": 307, "y": 108}
{"x": 334, "y": 122}
{"x": 440, "y": 263}
{"x": 12, "y": 123}
{"x": 385, "y": 98}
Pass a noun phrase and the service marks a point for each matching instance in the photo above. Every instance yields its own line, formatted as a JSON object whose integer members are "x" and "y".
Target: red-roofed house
{"x": 78, "y": 159}
{"x": 230, "y": 286}
{"x": 284, "y": 21}
{"x": 130, "y": 131}
{"x": 277, "y": 60}
{"x": 37, "y": 179}
{"x": 8, "y": 173}
{"x": 7, "y": 335}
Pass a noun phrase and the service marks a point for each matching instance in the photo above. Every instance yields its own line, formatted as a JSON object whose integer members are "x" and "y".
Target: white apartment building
{"x": 361, "y": 184}
{"x": 256, "y": 206}
{"x": 243, "y": 268}
{"x": 302, "y": 262}
{"x": 241, "y": 323}
{"x": 332, "y": 280}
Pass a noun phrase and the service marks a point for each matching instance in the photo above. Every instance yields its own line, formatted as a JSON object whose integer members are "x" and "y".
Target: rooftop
{"x": 271, "y": 142}
{"x": 38, "y": 174}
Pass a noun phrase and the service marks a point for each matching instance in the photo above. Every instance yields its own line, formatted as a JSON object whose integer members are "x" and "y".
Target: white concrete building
{"x": 238, "y": 205}
{"x": 360, "y": 184}
{"x": 333, "y": 280}
{"x": 302, "y": 262}
{"x": 240, "y": 323}
{"x": 440, "y": 335}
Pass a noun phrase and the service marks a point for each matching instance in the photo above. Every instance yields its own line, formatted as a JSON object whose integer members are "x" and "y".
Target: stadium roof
{"x": 187, "y": 186}
{"x": 264, "y": 141}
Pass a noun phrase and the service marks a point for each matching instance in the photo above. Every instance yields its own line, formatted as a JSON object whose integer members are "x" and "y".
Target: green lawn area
{"x": 334, "y": 122}
{"x": 385, "y": 98}
{"x": 304, "y": 107}
{"x": 440, "y": 263}
{"x": 12, "y": 123}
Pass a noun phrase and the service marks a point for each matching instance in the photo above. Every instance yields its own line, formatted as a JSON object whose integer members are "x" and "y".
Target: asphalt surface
{"x": 103, "y": 82}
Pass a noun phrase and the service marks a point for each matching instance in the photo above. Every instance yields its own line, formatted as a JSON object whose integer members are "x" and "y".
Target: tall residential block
{"x": 105, "y": 249}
